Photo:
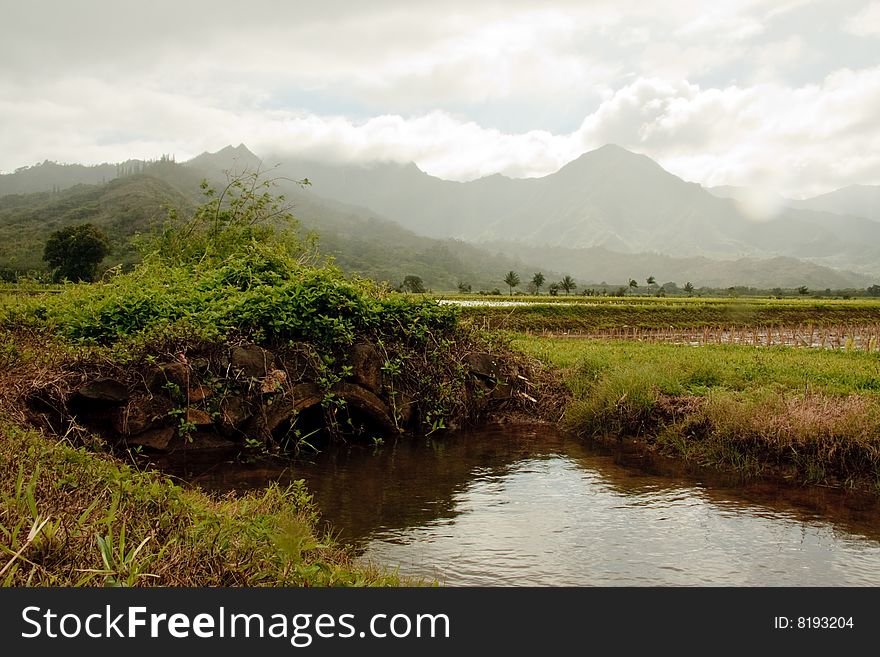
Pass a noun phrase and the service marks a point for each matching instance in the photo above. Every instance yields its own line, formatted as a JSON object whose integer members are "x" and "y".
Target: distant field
{"x": 593, "y": 315}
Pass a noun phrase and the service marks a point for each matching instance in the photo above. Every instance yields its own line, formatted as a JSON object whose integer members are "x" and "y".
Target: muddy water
{"x": 532, "y": 506}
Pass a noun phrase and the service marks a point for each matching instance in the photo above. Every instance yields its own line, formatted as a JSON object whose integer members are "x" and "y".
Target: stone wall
{"x": 248, "y": 395}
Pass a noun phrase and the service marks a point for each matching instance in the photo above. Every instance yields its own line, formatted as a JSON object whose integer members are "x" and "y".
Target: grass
{"x": 590, "y": 314}
{"x": 812, "y": 414}
{"x": 71, "y": 517}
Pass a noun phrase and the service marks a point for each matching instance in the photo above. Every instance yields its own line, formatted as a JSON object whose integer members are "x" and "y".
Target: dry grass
{"x": 825, "y": 439}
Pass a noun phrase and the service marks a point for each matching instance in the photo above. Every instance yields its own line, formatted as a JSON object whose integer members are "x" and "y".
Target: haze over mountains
{"x": 854, "y": 200}
{"x": 609, "y": 215}
{"x": 608, "y": 198}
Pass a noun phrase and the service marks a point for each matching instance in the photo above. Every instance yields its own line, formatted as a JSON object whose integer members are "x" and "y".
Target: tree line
{"x": 513, "y": 280}
{"x": 75, "y": 252}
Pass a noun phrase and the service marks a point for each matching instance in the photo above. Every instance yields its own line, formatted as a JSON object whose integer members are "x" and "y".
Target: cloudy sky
{"x": 781, "y": 93}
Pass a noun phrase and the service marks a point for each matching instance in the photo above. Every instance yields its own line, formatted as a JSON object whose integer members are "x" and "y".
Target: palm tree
{"x": 633, "y": 284}
{"x": 511, "y": 280}
{"x": 567, "y": 283}
{"x": 689, "y": 288}
{"x": 538, "y": 280}
{"x": 651, "y": 280}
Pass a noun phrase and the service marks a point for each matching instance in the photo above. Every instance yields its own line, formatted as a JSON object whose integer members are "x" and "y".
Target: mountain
{"x": 609, "y": 206}
{"x": 429, "y": 205}
{"x": 855, "y": 200}
{"x": 360, "y": 241}
{"x": 234, "y": 159}
{"x": 758, "y": 204}
{"x": 591, "y": 266}
{"x": 121, "y": 207}
{"x": 609, "y": 197}
{"x": 51, "y": 176}
{"x": 589, "y": 202}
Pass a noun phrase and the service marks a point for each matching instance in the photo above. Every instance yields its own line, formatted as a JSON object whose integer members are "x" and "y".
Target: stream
{"x": 530, "y": 505}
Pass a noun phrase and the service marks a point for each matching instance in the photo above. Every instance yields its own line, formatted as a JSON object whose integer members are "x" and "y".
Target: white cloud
{"x": 804, "y": 139}
{"x": 718, "y": 92}
{"x": 866, "y": 22}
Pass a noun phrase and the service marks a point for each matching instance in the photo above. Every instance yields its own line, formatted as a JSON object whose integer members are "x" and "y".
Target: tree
{"x": 538, "y": 280}
{"x": 803, "y": 289}
{"x": 242, "y": 217}
{"x": 74, "y": 252}
{"x": 633, "y": 283}
{"x": 413, "y": 284}
{"x": 553, "y": 289}
{"x": 511, "y": 280}
{"x": 689, "y": 288}
{"x": 651, "y": 280}
{"x": 464, "y": 288}
{"x": 567, "y": 283}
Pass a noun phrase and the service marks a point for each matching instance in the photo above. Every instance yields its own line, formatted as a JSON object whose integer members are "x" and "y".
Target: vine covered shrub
{"x": 305, "y": 304}
{"x": 229, "y": 276}
{"x": 231, "y": 272}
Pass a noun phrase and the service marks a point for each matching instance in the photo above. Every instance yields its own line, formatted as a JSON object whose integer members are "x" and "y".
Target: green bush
{"x": 229, "y": 271}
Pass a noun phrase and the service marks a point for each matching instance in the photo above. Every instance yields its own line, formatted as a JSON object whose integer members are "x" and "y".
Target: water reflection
{"x": 520, "y": 506}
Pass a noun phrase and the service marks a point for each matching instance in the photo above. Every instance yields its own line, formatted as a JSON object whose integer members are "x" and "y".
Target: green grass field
{"x": 813, "y": 413}
{"x": 594, "y": 314}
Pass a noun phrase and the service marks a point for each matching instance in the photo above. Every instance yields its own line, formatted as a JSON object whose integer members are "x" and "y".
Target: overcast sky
{"x": 784, "y": 93}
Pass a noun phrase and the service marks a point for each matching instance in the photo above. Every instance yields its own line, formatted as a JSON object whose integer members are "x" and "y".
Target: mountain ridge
{"x": 610, "y": 197}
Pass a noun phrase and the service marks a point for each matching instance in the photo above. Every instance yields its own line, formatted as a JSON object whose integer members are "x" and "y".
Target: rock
{"x": 367, "y": 403}
{"x": 132, "y": 418}
{"x": 483, "y": 364}
{"x": 198, "y": 417}
{"x": 171, "y": 379}
{"x": 366, "y": 364}
{"x": 200, "y": 365}
{"x": 478, "y": 393}
{"x": 104, "y": 390}
{"x": 301, "y": 397}
{"x": 233, "y": 412}
{"x": 502, "y": 391}
{"x": 251, "y": 361}
{"x": 199, "y": 393}
{"x": 405, "y": 407}
{"x": 306, "y": 395}
{"x": 273, "y": 382}
{"x": 153, "y": 438}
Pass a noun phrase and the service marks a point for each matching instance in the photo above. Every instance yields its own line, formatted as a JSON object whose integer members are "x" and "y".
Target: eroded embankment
{"x": 246, "y": 396}
{"x": 73, "y": 513}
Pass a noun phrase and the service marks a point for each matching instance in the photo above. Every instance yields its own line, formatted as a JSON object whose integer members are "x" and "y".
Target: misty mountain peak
{"x": 229, "y": 158}
{"x": 612, "y": 155}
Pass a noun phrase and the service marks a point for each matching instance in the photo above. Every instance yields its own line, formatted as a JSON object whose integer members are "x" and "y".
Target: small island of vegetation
{"x": 231, "y": 331}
